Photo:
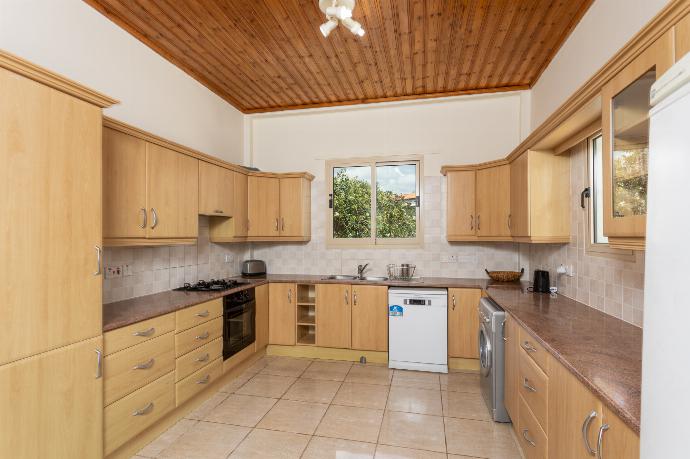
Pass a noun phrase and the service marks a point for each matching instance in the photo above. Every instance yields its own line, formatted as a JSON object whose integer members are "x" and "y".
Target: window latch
{"x": 416, "y": 201}
{"x": 586, "y": 193}
{"x": 330, "y": 201}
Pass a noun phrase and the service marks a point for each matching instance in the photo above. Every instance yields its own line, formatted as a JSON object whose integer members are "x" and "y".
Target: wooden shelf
{"x": 306, "y": 334}
{"x": 306, "y": 304}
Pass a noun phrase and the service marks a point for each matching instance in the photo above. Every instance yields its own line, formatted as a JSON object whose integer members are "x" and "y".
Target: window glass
{"x": 351, "y": 202}
{"x": 396, "y": 201}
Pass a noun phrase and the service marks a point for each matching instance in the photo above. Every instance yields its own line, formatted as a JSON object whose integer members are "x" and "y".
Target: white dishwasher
{"x": 418, "y": 329}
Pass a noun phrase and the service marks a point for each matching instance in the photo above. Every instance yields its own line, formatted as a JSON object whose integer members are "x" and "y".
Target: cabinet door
{"x": 216, "y": 188}
{"x": 618, "y": 440}
{"x": 295, "y": 204}
{"x": 261, "y": 316}
{"x": 264, "y": 206}
{"x": 281, "y": 313}
{"x": 124, "y": 185}
{"x": 570, "y": 405}
{"x": 50, "y": 203}
{"x": 682, "y": 37}
{"x": 463, "y": 322}
{"x": 510, "y": 392}
{"x": 460, "y": 204}
{"x": 369, "y": 318}
{"x": 519, "y": 219}
{"x": 625, "y": 135}
{"x": 52, "y": 404}
{"x": 493, "y": 201}
{"x": 333, "y": 315}
{"x": 172, "y": 193}
{"x": 240, "y": 215}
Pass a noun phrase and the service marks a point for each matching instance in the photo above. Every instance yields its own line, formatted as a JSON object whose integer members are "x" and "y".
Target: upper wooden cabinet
{"x": 295, "y": 207}
{"x": 150, "y": 192}
{"x": 236, "y": 227}
{"x": 263, "y": 206}
{"x": 493, "y": 201}
{"x": 625, "y": 130}
{"x": 279, "y": 208}
{"x": 216, "y": 190}
{"x": 540, "y": 197}
{"x": 463, "y": 322}
{"x": 460, "y": 221}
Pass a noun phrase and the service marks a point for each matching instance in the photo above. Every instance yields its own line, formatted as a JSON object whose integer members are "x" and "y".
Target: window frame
{"x": 373, "y": 241}
{"x": 599, "y": 249}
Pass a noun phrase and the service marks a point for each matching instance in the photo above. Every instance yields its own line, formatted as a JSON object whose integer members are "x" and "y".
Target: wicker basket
{"x": 505, "y": 276}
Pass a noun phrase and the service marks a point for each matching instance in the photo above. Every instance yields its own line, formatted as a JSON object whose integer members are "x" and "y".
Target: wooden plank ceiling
{"x": 268, "y": 55}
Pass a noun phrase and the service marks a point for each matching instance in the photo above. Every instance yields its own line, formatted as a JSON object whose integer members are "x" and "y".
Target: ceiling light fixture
{"x": 339, "y": 11}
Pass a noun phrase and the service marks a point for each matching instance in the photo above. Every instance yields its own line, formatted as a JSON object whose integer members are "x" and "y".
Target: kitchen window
{"x": 374, "y": 201}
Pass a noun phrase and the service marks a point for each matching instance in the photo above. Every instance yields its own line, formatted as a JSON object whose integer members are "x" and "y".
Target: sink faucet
{"x": 360, "y": 269}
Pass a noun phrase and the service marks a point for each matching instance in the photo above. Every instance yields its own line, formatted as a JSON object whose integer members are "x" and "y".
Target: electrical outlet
{"x": 228, "y": 258}
{"x": 112, "y": 272}
{"x": 127, "y": 270}
{"x": 452, "y": 258}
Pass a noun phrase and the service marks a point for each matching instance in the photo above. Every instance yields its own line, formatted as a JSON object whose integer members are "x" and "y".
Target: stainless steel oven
{"x": 239, "y": 321}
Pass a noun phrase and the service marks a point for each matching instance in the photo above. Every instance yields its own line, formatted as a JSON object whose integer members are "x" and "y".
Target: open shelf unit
{"x": 306, "y": 314}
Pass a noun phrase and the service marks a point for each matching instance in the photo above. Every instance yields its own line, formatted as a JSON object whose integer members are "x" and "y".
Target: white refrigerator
{"x": 666, "y": 342}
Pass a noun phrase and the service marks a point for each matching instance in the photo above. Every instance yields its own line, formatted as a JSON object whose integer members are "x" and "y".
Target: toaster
{"x": 253, "y": 268}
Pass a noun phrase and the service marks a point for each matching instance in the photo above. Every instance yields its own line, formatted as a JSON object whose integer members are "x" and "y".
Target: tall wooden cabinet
{"x": 463, "y": 322}
{"x": 50, "y": 383}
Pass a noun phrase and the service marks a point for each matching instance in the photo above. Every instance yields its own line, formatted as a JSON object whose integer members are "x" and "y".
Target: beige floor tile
{"x": 312, "y": 390}
{"x": 465, "y": 405}
{"x": 410, "y": 430}
{"x": 167, "y": 438}
{"x": 351, "y": 423}
{"x": 417, "y": 379}
{"x": 456, "y": 456}
{"x": 241, "y": 410}
{"x": 285, "y": 366}
{"x": 413, "y": 400}
{"x": 480, "y": 438}
{"x": 202, "y": 410}
{"x": 262, "y": 444}
{"x": 461, "y": 382}
{"x": 236, "y": 383}
{"x": 362, "y": 395}
{"x": 267, "y": 386}
{"x": 337, "y": 448}
{"x": 258, "y": 365}
{"x": 295, "y": 417}
{"x": 328, "y": 370}
{"x": 369, "y": 374}
{"x": 206, "y": 440}
{"x": 394, "y": 452}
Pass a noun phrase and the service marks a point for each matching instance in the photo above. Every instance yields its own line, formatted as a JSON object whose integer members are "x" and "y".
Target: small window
{"x": 374, "y": 202}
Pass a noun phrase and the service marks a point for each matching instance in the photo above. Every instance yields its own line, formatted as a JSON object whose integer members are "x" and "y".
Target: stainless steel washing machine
{"x": 491, "y": 356}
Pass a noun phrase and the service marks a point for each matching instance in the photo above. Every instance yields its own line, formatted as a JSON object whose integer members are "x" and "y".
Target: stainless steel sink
{"x": 339, "y": 277}
{"x": 371, "y": 278}
{"x": 354, "y": 278}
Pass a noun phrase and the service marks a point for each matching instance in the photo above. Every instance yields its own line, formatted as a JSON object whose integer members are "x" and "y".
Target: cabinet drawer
{"x": 535, "y": 350}
{"x": 531, "y": 437}
{"x": 134, "y": 367}
{"x": 192, "y": 361}
{"x": 195, "y": 315}
{"x": 189, "y": 340}
{"x": 131, "y": 415}
{"x": 139, "y": 332}
{"x": 533, "y": 386}
{"x": 198, "y": 381}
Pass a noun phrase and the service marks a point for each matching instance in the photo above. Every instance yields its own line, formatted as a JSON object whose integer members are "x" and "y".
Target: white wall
{"x": 466, "y": 129}
{"x": 74, "y": 40}
{"x": 606, "y": 27}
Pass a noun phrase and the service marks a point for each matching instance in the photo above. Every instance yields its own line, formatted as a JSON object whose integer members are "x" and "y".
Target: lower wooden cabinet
{"x": 531, "y": 436}
{"x": 52, "y": 404}
{"x": 618, "y": 440}
{"x": 333, "y": 315}
{"x": 369, "y": 318}
{"x": 281, "y": 313}
{"x": 198, "y": 358}
{"x": 195, "y": 337}
{"x": 261, "y": 298}
{"x": 131, "y": 335}
{"x": 198, "y": 381}
{"x": 510, "y": 396}
{"x": 463, "y": 322}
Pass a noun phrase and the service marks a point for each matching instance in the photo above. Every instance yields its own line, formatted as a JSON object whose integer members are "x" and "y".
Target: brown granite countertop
{"x": 603, "y": 352}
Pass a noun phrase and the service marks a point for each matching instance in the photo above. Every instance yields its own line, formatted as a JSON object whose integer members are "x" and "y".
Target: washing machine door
{"x": 485, "y": 351}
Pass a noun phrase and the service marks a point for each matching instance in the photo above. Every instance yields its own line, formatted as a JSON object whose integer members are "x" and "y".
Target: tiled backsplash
{"x": 433, "y": 259}
{"x": 156, "y": 269}
{"x": 614, "y": 286}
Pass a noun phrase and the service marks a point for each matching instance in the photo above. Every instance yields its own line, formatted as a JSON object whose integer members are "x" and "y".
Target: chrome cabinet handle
{"x": 453, "y": 302}
{"x": 145, "y": 410}
{"x": 600, "y": 440}
{"x": 99, "y": 363}
{"x": 471, "y": 222}
{"x": 99, "y": 252}
{"x": 354, "y": 298}
{"x": 527, "y": 439}
{"x": 526, "y": 385}
{"x": 528, "y": 347}
{"x": 204, "y": 336}
{"x": 203, "y": 314}
{"x": 585, "y": 431}
{"x": 144, "y": 366}
{"x": 203, "y": 358}
{"x": 204, "y": 380}
{"x": 282, "y": 223}
{"x": 155, "y": 218}
{"x": 277, "y": 224}
{"x": 347, "y": 297}
{"x": 144, "y": 218}
{"x": 479, "y": 223}
{"x": 148, "y": 332}
{"x": 218, "y": 211}
{"x": 510, "y": 218}
{"x": 290, "y": 295}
